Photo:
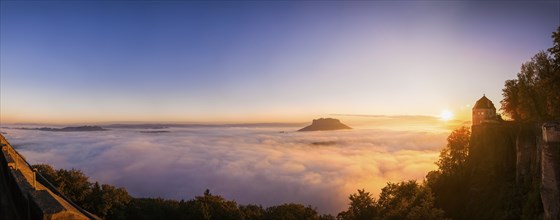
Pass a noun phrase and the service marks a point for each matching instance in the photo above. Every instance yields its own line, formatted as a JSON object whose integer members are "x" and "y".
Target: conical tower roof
{"x": 484, "y": 103}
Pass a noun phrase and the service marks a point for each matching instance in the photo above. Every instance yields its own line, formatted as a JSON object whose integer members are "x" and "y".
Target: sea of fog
{"x": 251, "y": 164}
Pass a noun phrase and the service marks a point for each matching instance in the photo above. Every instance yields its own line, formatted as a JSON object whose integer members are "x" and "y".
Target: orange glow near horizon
{"x": 449, "y": 118}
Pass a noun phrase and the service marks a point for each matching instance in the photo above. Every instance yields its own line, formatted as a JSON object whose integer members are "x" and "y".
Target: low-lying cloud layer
{"x": 258, "y": 165}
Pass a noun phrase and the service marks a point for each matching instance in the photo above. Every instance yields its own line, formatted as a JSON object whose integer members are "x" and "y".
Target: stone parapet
{"x": 551, "y": 132}
{"x": 33, "y": 199}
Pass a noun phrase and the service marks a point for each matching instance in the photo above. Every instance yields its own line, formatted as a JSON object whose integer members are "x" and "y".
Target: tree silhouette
{"x": 362, "y": 207}
{"x": 535, "y": 94}
{"x": 291, "y": 211}
{"x": 105, "y": 201}
{"x": 452, "y": 158}
{"x": 408, "y": 200}
{"x": 403, "y": 200}
{"x": 108, "y": 201}
{"x": 449, "y": 182}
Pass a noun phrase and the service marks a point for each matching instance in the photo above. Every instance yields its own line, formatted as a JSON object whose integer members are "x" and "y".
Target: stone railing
{"x": 550, "y": 167}
{"x": 33, "y": 196}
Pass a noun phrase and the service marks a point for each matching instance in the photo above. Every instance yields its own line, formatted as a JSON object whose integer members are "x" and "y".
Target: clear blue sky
{"x": 89, "y": 61}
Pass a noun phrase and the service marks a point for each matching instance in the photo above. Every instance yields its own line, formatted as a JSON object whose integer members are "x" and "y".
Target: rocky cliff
{"x": 515, "y": 170}
{"x": 491, "y": 182}
{"x": 549, "y": 146}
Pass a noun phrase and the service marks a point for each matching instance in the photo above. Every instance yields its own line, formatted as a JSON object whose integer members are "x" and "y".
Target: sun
{"x": 446, "y": 115}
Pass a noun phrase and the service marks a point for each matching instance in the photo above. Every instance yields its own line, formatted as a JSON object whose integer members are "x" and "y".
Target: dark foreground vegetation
{"x": 470, "y": 183}
{"x": 404, "y": 200}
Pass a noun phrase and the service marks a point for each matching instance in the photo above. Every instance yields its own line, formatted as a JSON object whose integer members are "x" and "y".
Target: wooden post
{"x": 34, "y": 179}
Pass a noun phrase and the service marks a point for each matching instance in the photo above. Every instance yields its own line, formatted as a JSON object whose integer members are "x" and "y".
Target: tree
{"x": 105, "y": 201}
{"x": 326, "y": 217}
{"x": 108, "y": 201}
{"x": 407, "y": 200}
{"x": 362, "y": 207}
{"x": 252, "y": 212}
{"x": 452, "y": 158}
{"x": 291, "y": 211}
{"x": 403, "y": 200}
{"x": 449, "y": 182}
{"x": 210, "y": 206}
{"x": 48, "y": 172}
{"x": 555, "y": 49}
{"x": 535, "y": 94}
{"x": 74, "y": 184}
{"x": 510, "y": 103}
{"x": 155, "y": 208}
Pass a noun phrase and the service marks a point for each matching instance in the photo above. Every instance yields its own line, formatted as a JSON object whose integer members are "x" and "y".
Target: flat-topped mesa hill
{"x": 325, "y": 124}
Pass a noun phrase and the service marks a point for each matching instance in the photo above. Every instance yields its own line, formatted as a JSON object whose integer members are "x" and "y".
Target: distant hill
{"x": 139, "y": 126}
{"x": 325, "y": 124}
{"x": 69, "y": 129}
{"x": 154, "y": 132}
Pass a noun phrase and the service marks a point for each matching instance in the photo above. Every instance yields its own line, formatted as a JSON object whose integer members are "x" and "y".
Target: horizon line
{"x": 139, "y": 122}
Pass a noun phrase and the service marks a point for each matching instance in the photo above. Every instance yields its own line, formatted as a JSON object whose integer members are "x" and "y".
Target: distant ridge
{"x": 325, "y": 124}
{"x": 69, "y": 129}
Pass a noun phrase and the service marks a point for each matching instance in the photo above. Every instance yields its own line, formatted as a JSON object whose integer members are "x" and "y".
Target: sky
{"x": 250, "y": 61}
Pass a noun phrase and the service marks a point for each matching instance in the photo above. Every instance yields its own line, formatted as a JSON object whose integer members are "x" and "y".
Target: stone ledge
{"x": 32, "y": 199}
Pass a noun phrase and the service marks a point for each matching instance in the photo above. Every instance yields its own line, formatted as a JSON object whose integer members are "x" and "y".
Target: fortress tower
{"x": 483, "y": 111}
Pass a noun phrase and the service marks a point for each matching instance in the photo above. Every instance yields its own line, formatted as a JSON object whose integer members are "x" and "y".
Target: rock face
{"x": 550, "y": 170}
{"x": 325, "y": 124}
{"x": 491, "y": 173}
{"x": 518, "y": 163}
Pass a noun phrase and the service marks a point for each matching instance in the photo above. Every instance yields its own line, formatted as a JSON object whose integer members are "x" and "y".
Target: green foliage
{"x": 109, "y": 202}
{"x": 407, "y": 200}
{"x": 452, "y": 158}
{"x": 207, "y": 206}
{"x": 450, "y": 192}
{"x": 74, "y": 184}
{"x": 154, "y": 208}
{"x": 326, "y": 217}
{"x": 210, "y": 206}
{"x": 511, "y": 99}
{"x": 404, "y": 200}
{"x": 291, "y": 211}
{"x": 450, "y": 181}
{"x": 535, "y": 94}
{"x": 48, "y": 172}
{"x": 362, "y": 207}
{"x": 254, "y": 212}
{"x": 105, "y": 201}
{"x": 555, "y": 49}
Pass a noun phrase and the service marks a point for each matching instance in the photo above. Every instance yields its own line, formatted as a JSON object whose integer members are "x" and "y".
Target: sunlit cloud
{"x": 249, "y": 164}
